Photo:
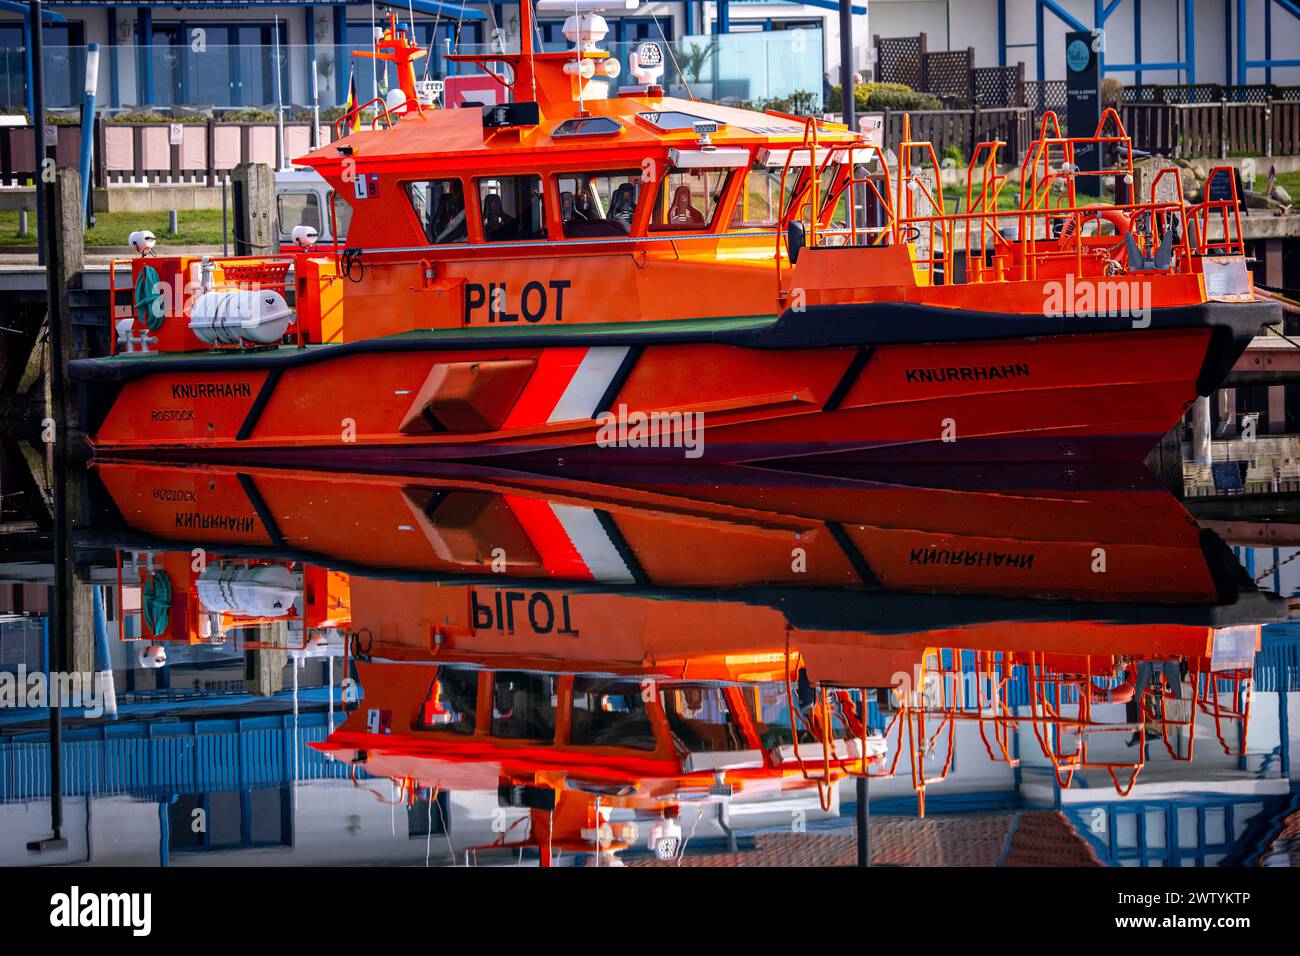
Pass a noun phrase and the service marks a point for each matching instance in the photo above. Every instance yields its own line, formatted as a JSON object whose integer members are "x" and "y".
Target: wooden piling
{"x": 69, "y": 265}
{"x": 253, "y": 188}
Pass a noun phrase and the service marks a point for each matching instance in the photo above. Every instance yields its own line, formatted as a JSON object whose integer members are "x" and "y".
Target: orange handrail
{"x": 1233, "y": 242}
{"x": 1238, "y": 709}
{"x": 388, "y": 117}
{"x": 1048, "y": 720}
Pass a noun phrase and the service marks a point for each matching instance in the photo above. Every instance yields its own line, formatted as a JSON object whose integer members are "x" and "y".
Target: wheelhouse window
{"x": 439, "y": 205}
{"x": 688, "y": 199}
{"x": 511, "y": 208}
{"x": 701, "y": 719}
{"x": 610, "y": 712}
{"x": 523, "y": 706}
{"x": 451, "y": 703}
{"x": 762, "y": 199}
{"x": 342, "y": 215}
{"x": 598, "y": 204}
{"x": 770, "y": 708}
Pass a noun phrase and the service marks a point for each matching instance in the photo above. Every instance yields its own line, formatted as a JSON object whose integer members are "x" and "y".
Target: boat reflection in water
{"x": 607, "y": 672}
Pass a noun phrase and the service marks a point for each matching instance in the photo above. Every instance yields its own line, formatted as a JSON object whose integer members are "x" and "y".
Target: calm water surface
{"x": 1064, "y": 666}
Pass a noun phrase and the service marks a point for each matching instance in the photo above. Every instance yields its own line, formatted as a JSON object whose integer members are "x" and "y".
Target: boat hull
{"x": 902, "y": 383}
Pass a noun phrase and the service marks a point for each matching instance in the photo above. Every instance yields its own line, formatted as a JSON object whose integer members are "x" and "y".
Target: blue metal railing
{"x": 155, "y": 759}
{"x": 752, "y": 67}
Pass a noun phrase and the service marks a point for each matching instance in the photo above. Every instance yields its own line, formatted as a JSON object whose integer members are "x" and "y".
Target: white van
{"x": 302, "y": 198}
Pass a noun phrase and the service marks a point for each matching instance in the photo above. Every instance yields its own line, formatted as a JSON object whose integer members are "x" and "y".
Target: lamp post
{"x": 846, "y": 64}
{"x": 45, "y": 186}
{"x": 88, "y": 127}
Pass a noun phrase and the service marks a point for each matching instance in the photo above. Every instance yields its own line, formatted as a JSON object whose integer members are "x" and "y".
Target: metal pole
{"x": 88, "y": 126}
{"x": 58, "y": 616}
{"x": 47, "y": 240}
{"x": 40, "y": 150}
{"x": 315, "y": 108}
{"x": 846, "y": 64}
{"x": 863, "y": 822}
{"x": 225, "y": 206}
{"x": 279, "y": 95}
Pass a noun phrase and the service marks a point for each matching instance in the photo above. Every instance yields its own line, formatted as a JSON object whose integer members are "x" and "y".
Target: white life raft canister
{"x": 236, "y": 316}
{"x": 267, "y": 590}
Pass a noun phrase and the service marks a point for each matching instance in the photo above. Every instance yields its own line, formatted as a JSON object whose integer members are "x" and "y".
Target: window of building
{"x": 439, "y": 205}
{"x": 512, "y": 208}
{"x": 230, "y": 68}
{"x": 233, "y": 818}
{"x": 598, "y": 204}
{"x": 610, "y": 712}
{"x": 688, "y": 199}
{"x": 425, "y": 817}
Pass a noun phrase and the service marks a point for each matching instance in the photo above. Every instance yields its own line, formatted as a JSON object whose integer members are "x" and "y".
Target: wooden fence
{"x": 953, "y": 77}
{"x": 149, "y": 153}
{"x": 1184, "y": 130}
{"x": 965, "y": 129}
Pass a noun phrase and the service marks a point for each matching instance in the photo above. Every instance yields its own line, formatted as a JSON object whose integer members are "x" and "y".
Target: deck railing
{"x": 971, "y": 245}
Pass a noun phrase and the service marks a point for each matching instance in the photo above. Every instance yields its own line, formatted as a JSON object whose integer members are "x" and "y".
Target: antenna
{"x": 582, "y": 85}
{"x": 279, "y": 95}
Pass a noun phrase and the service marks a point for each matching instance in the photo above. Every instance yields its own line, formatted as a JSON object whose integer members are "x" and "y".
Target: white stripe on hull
{"x": 596, "y": 370}
{"x": 593, "y": 544}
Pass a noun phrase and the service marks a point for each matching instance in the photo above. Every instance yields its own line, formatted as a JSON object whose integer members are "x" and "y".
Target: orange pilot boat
{"x": 818, "y": 552}
{"x": 600, "y": 272}
{"x": 547, "y": 639}
{"x": 724, "y": 711}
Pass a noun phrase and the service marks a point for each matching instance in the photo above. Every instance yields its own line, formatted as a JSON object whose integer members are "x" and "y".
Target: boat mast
{"x": 524, "y": 76}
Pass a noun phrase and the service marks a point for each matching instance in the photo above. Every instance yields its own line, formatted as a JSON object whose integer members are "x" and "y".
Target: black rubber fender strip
{"x": 260, "y": 507}
{"x": 856, "y": 558}
{"x": 851, "y": 375}
{"x": 870, "y": 324}
{"x": 259, "y": 404}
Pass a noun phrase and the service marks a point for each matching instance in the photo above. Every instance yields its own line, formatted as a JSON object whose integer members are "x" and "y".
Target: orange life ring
{"x": 1116, "y": 217}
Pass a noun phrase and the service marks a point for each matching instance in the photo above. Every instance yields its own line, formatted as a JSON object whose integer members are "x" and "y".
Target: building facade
{"x": 221, "y": 54}
{"x": 1146, "y": 41}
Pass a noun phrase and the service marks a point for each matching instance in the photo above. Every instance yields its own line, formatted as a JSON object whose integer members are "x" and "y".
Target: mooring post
{"x": 253, "y": 192}
{"x": 66, "y": 262}
{"x": 862, "y": 820}
{"x": 1202, "y": 452}
{"x": 1165, "y": 461}
{"x": 847, "y": 91}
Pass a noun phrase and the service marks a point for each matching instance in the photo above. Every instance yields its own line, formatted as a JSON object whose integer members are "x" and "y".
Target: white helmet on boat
{"x": 153, "y": 656}
{"x": 304, "y": 236}
{"x": 143, "y": 241}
